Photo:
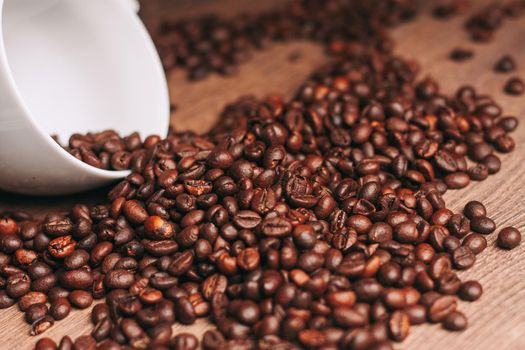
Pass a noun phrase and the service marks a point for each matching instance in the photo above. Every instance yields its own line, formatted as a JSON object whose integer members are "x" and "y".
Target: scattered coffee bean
{"x": 509, "y": 238}
{"x": 515, "y": 86}
{"x": 461, "y": 54}
{"x": 505, "y": 64}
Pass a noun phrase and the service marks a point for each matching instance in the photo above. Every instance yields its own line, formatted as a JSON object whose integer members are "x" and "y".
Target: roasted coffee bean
{"x": 76, "y": 279}
{"x": 65, "y": 344}
{"x": 61, "y": 247}
{"x": 85, "y": 342}
{"x": 470, "y": 291}
{"x": 399, "y": 325}
{"x": 30, "y": 299}
{"x": 474, "y": 209}
{"x": 509, "y": 238}
{"x": 482, "y": 224}
{"x": 461, "y": 54}
{"x": 80, "y": 299}
{"x": 475, "y": 242}
{"x": 455, "y": 321}
{"x": 186, "y": 341}
{"x": 35, "y": 312}
{"x": 45, "y": 344}
{"x": 102, "y": 329}
{"x": 505, "y": 64}
{"x": 515, "y": 86}
{"x": 76, "y": 259}
{"x": 463, "y": 258}
{"x": 60, "y": 308}
{"x": 41, "y": 325}
{"x": 119, "y": 279}
{"x": 441, "y": 308}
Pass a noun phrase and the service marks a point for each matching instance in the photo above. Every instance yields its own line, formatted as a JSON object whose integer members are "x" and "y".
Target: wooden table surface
{"x": 497, "y": 320}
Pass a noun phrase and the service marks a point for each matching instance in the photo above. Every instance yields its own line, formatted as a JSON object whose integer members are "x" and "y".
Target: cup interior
{"x": 84, "y": 66}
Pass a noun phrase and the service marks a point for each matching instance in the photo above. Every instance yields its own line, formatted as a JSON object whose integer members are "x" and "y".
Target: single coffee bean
{"x": 509, "y": 238}
{"x": 399, "y": 325}
{"x": 505, "y": 64}
{"x": 482, "y": 224}
{"x": 60, "y": 308}
{"x": 45, "y": 344}
{"x": 515, "y": 86}
{"x": 475, "y": 242}
{"x": 441, "y": 308}
{"x": 461, "y": 54}
{"x": 35, "y": 312}
{"x": 474, "y": 209}
{"x": 41, "y": 325}
{"x": 470, "y": 291}
{"x": 185, "y": 341}
{"x": 463, "y": 258}
{"x": 455, "y": 321}
{"x": 31, "y": 298}
{"x": 80, "y": 299}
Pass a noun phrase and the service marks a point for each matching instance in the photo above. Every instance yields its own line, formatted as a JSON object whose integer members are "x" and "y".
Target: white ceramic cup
{"x": 70, "y": 66}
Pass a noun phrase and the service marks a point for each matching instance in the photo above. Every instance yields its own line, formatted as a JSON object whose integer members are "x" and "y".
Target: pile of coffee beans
{"x": 210, "y": 44}
{"x": 107, "y": 149}
{"x": 314, "y": 223}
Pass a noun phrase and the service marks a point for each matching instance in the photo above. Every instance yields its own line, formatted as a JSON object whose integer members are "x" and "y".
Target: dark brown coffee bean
{"x": 475, "y": 242}
{"x": 474, "y": 209}
{"x": 493, "y": 163}
{"x": 5, "y": 300}
{"x": 247, "y": 219}
{"x": 134, "y": 212}
{"x": 76, "y": 279}
{"x": 102, "y": 329}
{"x": 185, "y": 341}
{"x": 276, "y": 227}
{"x": 81, "y": 299}
{"x": 417, "y": 314}
{"x": 61, "y": 247}
{"x": 76, "y": 259}
{"x": 508, "y": 124}
{"x": 455, "y": 321}
{"x": 509, "y": 238}
{"x": 185, "y": 311}
{"x": 399, "y": 325}
{"x": 60, "y": 308}
{"x": 463, "y": 258}
{"x": 441, "y": 308}
{"x": 482, "y": 224}
{"x": 30, "y": 299}
{"x": 470, "y": 291}
{"x": 461, "y": 54}
{"x": 479, "y": 172}
{"x": 515, "y": 86}
{"x": 505, "y": 64}
{"x": 45, "y": 344}
{"x": 85, "y": 342}
{"x": 119, "y": 279}
{"x": 35, "y": 312}
{"x": 41, "y": 325}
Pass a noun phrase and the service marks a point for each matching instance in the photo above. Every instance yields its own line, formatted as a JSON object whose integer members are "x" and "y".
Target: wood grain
{"x": 497, "y": 321}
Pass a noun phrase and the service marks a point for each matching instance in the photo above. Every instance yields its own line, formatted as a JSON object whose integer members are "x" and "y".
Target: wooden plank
{"x": 497, "y": 321}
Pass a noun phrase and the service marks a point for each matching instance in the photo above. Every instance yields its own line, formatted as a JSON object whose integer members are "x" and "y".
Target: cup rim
{"x": 26, "y": 112}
